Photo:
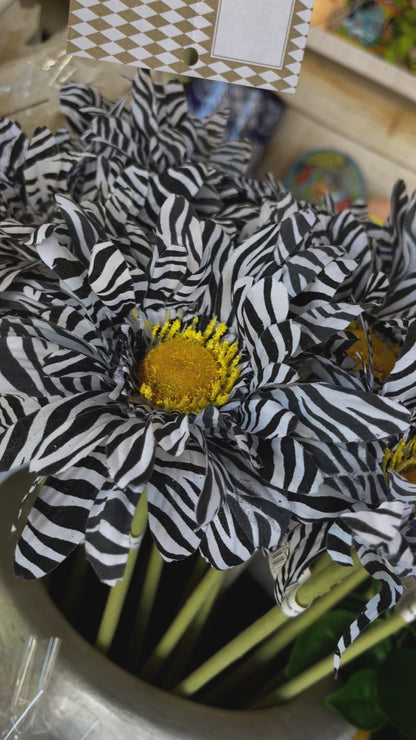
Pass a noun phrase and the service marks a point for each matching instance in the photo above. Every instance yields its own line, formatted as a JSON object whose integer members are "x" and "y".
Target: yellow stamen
{"x": 187, "y": 369}
{"x": 384, "y": 356}
{"x": 402, "y": 460}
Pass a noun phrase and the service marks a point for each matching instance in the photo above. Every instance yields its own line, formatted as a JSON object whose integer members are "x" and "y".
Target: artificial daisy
{"x": 153, "y": 127}
{"x": 395, "y": 248}
{"x": 178, "y": 382}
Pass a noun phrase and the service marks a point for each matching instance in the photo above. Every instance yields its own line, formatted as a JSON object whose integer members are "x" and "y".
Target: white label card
{"x": 260, "y": 31}
{"x": 259, "y": 43}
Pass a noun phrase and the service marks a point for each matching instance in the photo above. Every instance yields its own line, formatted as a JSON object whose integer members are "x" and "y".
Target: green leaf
{"x": 358, "y": 700}
{"x": 397, "y": 690}
{"x": 318, "y": 640}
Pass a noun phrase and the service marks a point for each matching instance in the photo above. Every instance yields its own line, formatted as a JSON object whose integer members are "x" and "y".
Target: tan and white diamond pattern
{"x": 157, "y": 34}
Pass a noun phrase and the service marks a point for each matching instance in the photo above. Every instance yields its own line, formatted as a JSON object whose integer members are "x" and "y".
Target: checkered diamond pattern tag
{"x": 259, "y": 43}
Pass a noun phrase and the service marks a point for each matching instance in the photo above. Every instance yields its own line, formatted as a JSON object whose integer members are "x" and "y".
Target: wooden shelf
{"x": 337, "y": 106}
{"x": 357, "y": 59}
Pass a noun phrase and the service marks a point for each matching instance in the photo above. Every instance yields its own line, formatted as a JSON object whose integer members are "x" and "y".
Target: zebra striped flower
{"x": 183, "y": 379}
{"x": 395, "y": 250}
{"x": 151, "y": 127}
{"x": 385, "y": 542}
{"x": 32, "y": 171}
{"x": 384, "y": 538}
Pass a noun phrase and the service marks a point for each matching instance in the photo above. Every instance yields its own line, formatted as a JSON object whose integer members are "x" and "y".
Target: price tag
{"x": 259, "y": 43}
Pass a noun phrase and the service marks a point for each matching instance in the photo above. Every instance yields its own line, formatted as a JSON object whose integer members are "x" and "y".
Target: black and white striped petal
{"x": 388, "y": 595}
{"x": 173, "y": 493}
{"x": 266, "y": 304}
{"x": 110, "y": 279}
{"x": 336, "y": 415}
{"x": 400, "y": 488}
{"x": 400, "y": 385}
{"x": 178, "y": 249}
{"x": 130, "y": 451}
{"x": 108, "y": 531}
{"x": 57, "y": 521}
{"x": 22, "y": 368}
{"x": 61, "y": 433}
{"x": 299, "y": 548}
{"x": 252, "y": 515}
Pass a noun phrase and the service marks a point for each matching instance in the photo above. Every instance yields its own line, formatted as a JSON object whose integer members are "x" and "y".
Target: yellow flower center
{"x": 188, "y": 369}
{"x": 402, "y": 460}
{"x": 384, "y": 356}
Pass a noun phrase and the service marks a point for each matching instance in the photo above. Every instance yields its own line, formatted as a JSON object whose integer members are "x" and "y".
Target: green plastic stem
{"x": 322, "y": 581}
{"x": 180, "y": 624}
{"x": 257, "y": 632}
{"x": 116, "y": 597}
{"x": 379, "y": 631}
{"x": 271, "y": 647}
{"x": 191, "y": 637}
{"x": 232, "y": 651}
{"x": 145, "y": 606}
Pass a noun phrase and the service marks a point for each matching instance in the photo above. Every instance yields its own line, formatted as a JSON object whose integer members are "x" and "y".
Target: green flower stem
{"x": 181, "y": 623}
{"x": 258, "y": 631}
{"x": 232, "y": 651}
{"x": 289, "y": 631}
{"x": 322, "y": 580}
{"x": 117, "y": 595}
{"x": 192, "y": 636}
{"x": 379, "y": 631}
{"x": 145, "y": 606}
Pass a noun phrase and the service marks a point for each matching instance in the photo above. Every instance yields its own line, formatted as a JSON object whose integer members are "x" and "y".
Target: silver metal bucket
{"x": 87, "y": 686}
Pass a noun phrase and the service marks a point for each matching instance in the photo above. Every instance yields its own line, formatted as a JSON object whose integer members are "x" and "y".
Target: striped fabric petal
{"x": 22, "y": 367}
{"x": 401, "y": 383}
{"x": 75, "y": 100}
{"x": 294, "y": 469}
{"x": 241, "y": 527}
{"x": 264, "y": 415}
{"x": 110, "y": 279}
{"x": 107, "y": 534}
{"x": 387, "y": 597}
{"x": 339, "y": 543}
{"x": 173, "y": 493}
{"x": 130, "y": 451}
{"x": 319, "y": 270}
{"x": 252, "y": 515}
{"x": 212, "y": 493}
{"x": 178, "y": 249}
{"x": 400, "y": 488}
{"x": 57, "y": 521}
{"x": 58, "y": 435}
{"x": 224, "y": 544}
{"x": 320, "y": 323}
{"x": 377, "y": 529}
{"x": 83, "y": 233}
{"x": 266, "y": 303}
{"x": 186, "y": 181}
{"x": 277, "y": 344}
{"x": 14, "y": 407}
{"x": 337, "y": 415}
{"x": 299, "y": 548}
{"x": 58, "y": 325}
{"x": 171, "y": 431}
{"x": 46, "y": 168}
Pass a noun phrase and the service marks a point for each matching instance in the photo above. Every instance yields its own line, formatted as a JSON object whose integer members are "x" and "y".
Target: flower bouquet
{"x": 206, "y": 378}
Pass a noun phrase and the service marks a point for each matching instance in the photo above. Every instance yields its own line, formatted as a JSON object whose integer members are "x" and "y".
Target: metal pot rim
{"x": 121, "y": 702}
